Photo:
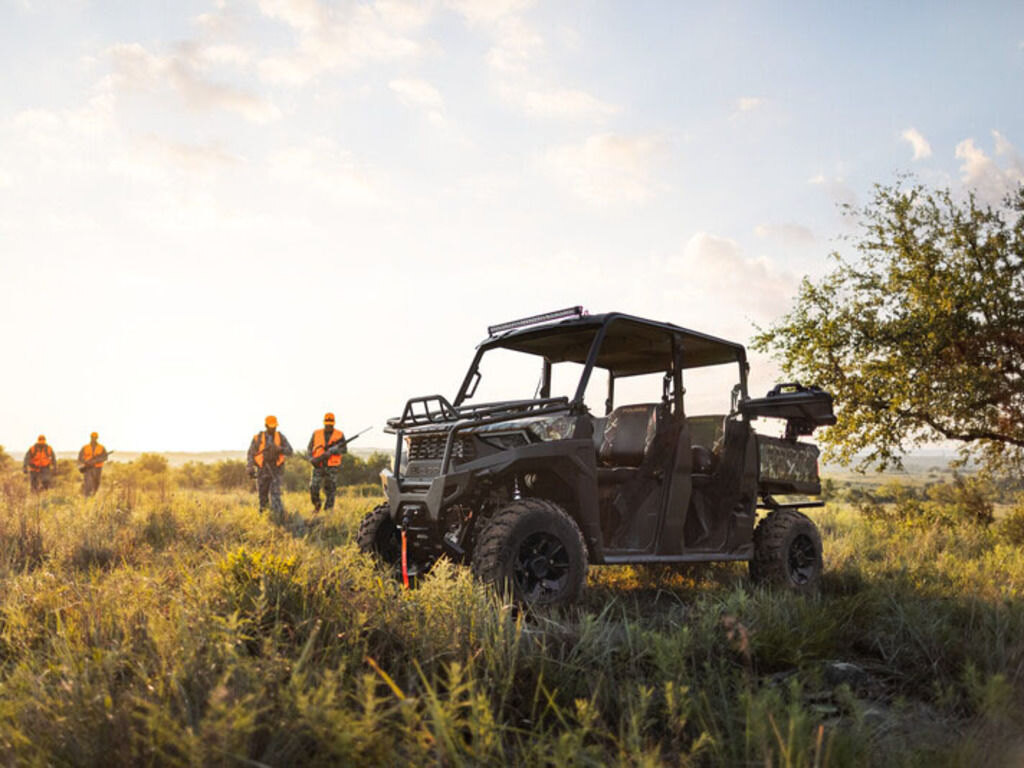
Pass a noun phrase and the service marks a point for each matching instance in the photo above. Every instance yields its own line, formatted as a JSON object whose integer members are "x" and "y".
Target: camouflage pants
{"x": 268, "y": 484}
{"x": 41, "y": 480}
{"x": 326, "y": 478}
{"x": 91, "y": 480}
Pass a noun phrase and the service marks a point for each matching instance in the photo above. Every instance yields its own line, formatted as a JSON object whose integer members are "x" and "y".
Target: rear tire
{"x": 533, "y": 549}
{"x": 787, "y": 552}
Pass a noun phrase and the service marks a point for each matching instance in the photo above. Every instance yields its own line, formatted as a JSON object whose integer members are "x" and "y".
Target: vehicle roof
{"x": 632, "y": 345}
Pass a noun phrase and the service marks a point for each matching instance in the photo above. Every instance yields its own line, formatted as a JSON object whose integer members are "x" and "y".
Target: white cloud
{"x": 749, "y": 103}
{"x": 515, "y": 58}
{"x": 836, "y": 188}
{"x": 565, "y": 103}
{"x": 716, "y": 269}
{"x": 790, "y": 235}
{"x": 488, "y": 11}
{"x": 417, "y": 93}
{"x": 607, "y": 168}
{"x": 193, "y": 159}
{"x": 922, "y": 148}
{"x": 325, "y": 170}
{"x": 225, "y": 54}
{"x": 341, "y": 38}
{"x": 515, "y": 45}
{"x": 182, "y": 71}
{"x": 980, "y": 172}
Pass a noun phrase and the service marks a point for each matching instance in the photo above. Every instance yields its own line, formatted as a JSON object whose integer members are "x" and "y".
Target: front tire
{"x": 787, "y": 552}
{"x": 533, "y": 549}
{"x": 378, "y": 535}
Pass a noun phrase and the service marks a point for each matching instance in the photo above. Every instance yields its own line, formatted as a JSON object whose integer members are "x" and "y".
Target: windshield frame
{"x": 545, "y": 387}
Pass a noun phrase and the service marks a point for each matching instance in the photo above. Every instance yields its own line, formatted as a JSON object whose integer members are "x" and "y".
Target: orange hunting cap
{"x": 94, "y": 435}
{"x": 271, "y": 421}
{"x": 41, "y": 439}
{"x": 328, "y": 418}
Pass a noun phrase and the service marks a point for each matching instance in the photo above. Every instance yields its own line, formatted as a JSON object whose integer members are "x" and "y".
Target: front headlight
{"x": 506, "y": 440}
{"x": 555, "y": 428}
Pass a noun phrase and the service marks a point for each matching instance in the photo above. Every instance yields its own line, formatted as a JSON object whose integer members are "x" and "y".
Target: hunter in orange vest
{"x": 265, "y": 460}
{"x": 91, "y": 459}
{"x": 325, "y": 450}
{"x": 40, "y": 465}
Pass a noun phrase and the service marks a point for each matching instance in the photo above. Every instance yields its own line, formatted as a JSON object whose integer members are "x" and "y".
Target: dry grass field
{"x": 158, "y": 625}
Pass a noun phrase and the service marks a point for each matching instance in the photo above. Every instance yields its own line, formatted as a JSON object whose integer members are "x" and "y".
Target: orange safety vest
{"x": 88, "y": 453}
{"x": 40, "y": 456}
{"x": 319, "y": 447}
{"x": 258, "y": 458}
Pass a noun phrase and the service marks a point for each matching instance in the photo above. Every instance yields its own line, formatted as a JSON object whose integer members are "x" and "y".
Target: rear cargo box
{"x": 804, "y": 408}
{"x": 786, "y": 466}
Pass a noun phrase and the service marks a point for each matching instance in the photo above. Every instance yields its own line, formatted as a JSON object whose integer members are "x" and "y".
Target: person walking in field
{"x": 90, "y": 463}
{"x": 265, "y": 462}
{"x": 40, "y": 465}
{"x": 326, "y": 447}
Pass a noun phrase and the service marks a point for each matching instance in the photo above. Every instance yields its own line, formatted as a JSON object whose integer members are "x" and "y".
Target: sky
{"x": 211, "y": 210}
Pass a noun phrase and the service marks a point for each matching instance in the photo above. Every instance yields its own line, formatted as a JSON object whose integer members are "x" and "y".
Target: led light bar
{"x": 535, "y": 319}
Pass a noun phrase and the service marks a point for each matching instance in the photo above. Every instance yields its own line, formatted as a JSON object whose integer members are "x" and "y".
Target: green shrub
{"x": 230, "y": 474}
{"x": 262, "y": 587}
{"x": 1010, "y": 527}
{"x": 196, "y": 475}
{"x": 296, "y": 474}
{"x": 152, "y": 463}
{"x": 966, "y": 498}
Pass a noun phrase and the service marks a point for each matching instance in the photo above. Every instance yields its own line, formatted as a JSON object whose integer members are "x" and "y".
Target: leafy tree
{"x": 921, "y": 338}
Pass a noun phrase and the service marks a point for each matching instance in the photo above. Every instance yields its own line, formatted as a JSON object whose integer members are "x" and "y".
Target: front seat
{"x": 628, "y": 437}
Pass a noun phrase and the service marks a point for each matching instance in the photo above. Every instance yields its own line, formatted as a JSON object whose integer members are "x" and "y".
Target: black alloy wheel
{"x": 803, "y": 559}
{"x": 541, "y": 567}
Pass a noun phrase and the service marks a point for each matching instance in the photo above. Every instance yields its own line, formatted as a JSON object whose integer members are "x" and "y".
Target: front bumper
{"x": 430, "y": 498}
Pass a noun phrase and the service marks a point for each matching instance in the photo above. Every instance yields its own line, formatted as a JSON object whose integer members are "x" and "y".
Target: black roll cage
{"x": 677, "y": 363}
{"x": 480, "y": 414}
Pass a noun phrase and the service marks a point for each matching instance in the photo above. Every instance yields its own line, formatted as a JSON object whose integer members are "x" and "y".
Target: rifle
{"x": 335, "y": 449}
{"x": 89, "y": 463}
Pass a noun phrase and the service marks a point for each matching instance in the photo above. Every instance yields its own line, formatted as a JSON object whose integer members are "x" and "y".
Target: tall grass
{"x": 178, "y": 627}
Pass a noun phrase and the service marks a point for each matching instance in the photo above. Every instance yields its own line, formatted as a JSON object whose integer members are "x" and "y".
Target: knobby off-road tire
{"x": 787, "y": 552}
{"x": 378, "y": 535}
{"x": 533, "y": 549}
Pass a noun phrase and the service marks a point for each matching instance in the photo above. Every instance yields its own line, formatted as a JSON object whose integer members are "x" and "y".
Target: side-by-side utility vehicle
{"x": 531, "y": 491}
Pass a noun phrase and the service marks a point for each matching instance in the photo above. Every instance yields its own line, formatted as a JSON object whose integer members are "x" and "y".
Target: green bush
{"x": 230, "y": 474}
{"x": 196, "y": 475}
{"x": 296, "y": 473}
{"x": 966, "y": 498}
{"x": 1011, "y": 526}
{"x": 152, "y": 463}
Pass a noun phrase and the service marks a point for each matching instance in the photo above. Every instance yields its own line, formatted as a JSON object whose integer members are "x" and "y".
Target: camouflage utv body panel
{"x": 787, "y": 466}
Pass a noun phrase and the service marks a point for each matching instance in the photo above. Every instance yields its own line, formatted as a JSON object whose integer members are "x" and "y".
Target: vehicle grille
{"x": 427, "y": 447}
